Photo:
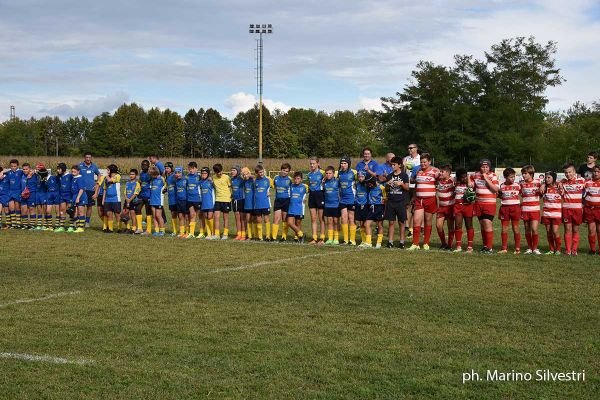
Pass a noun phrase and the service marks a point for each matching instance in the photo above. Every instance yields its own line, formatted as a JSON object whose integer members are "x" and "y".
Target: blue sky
{"x": 70, "y": 58}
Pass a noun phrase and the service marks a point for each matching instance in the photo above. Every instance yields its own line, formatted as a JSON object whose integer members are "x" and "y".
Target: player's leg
{"x": 505, "y": 222}
{"x": 277, "y": 217}
{"x": 516, "y": 234}
{"x": 321, "y": 213}
{"x": 417, "y": 220}
{"x": 451, "y": 231}
{"x": 368, "y": 231}
{"x": 379, "y": 231}
{"x": 470, "y": 232}
{"x": 314, "y": 215}
{"x": 568, "y": 237}
{"x": 210, "y": 221}
{"x": 344, "y": 222}
{"x": 439, "y": 225}
{"x": 535, "y": 237}
{"x": 458, "y": 230}
{"x": 428, "y": 223}
{"x": 575, "y": 239}
{"x": 556, "y": 235}
{"x": 192, "y": 224}
{"x": 391, "y": 228}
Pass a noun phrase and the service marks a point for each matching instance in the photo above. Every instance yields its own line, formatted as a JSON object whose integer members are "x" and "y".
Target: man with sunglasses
{"x": 412, "y": 164}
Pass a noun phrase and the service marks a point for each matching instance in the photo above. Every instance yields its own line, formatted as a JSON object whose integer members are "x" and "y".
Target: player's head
{"x": 367, "y": 154}
{"x": 509, "y": 175}
{"x": 345, "y": 163}
{"x": 425, "y": 160}
{"x": 133, "y": 173}
{"x": 259, "y": 170}
{"x": 550, "y": 178}
{"x": 462, "y": 175}
{"x": 14, "y": 164}
{"x": 446, "y": 171}
{"x": 528, "y": 172}
{"x": 61, "y": 168}
{"x": 153, "y": 158}
{"x": 193, "y": 167}
{"x": 178, "y": 172}
{"x": 218, "y": 169}
{"x": 413, "y": 149}
{"x": 154, "y": 172}
{"x": 87, "y": 157}
{"x": 592, "y": 156}
{"x": 112, "y": 169}
{"x": 388, "y": 157}
{"x": 485, "y": 165}
{"x": 169, "y": 167}
{"x": 313, "y": 163}
{"x": 26, "y": 168}
{"x": 204, "y": 172}
{"x": 285, "y": 169}
{"x": 361, "y": 176}
{"x": 596, "y": 172}
{"x": 245, "y": 172}
{"x": 569, "y": 170}
{"x": 235, "y": 171}
{"x": 396, "y": 163}
{"x": 370, "y": 181}
{"x": 298, "y": 177}
{"x": 145, "y": 165}
{"x": 329, "y": 172}
{"x": 75, "y": 169}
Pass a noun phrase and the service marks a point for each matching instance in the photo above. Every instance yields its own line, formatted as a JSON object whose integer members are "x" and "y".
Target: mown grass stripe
{"x": 48, "y": 297}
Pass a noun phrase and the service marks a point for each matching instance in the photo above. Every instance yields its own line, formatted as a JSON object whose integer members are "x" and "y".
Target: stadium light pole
{"x": 260, "y": 29}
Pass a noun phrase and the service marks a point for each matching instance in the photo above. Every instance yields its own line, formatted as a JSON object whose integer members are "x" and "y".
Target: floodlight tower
{"x": 260, "y": 29}
{"x": 12, "y": 113}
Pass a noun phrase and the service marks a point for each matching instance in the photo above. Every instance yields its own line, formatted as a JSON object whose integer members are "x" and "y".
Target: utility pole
{"x": 12, "y": 113}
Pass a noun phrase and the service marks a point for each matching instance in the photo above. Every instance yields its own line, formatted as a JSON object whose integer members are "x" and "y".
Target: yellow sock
{"x": 345, "y": 232}
{"x": 285, "y": 230}
{"x": 259, "y": 231}
{"x": 363, "y": 235}
{"x": 255, "y": 229}
{"x": 336, "y": 235}
{"x": 268, "y": 228}
{"x": 379, "y": 238}
{"x": 218, "y": 232}
{"x": 156, "y": 228}
{"x": 368, "y": 239}
{"x": 105, "y": 222}
{"x": 249, "y": 229}
{"x": 275, "y": 230}
{"x": 120, "y": 224}
{"x": 243, "y": 234}
{"x": 162, "y": 229}
{"x": 329, "y": 234}
{"x": 192, "y": 228}
{"x": 174, "y": 225}
{"x": 300, "y": 234}
{"x": 210, "y": 227}
{"x": 110, "y": 224}
{"x": 182, "y": 229}
{"x": 322, "y": 236}
{"x": 138, "y": 222}
{"x": 148, "y": 224}
{"x": 129, "y": 225}
{"x": 352, "y": 233}
{"x": 226, "y": 232}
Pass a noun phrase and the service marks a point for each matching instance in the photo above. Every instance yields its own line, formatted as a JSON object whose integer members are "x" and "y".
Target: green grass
{"x": 160, "y": 324}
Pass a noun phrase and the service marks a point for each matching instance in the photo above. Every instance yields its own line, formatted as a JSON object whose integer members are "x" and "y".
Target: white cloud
{"x": 88, "y": 107}
{"x": 370, "y": 103}
{"x": 241, "y": 101}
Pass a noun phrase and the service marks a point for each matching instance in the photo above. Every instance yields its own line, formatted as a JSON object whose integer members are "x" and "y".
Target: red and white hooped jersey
{"x": 445, "y": 192}
{"x": 509, "y": 194}
{"x": 552, "y": 203}
{"x": 482, "y": 193}
{"x": 425, "y": 182}
{"x": 573, "y": 193}
{"x": 592, "y": 193}
{"x": 459, "y": 192}
{"x": 530, "y": 196}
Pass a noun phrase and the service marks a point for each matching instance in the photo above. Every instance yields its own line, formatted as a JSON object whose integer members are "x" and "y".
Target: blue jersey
{"x": 131, "y": 188}
{"x": 362, "y": 194}
{"x": 237, "y": 188}
{"x": 298, "y": 194}
{"x": 347, "y": 186}
{"x": 4, "y": 188}
{"x": 145, "y": 179}
{"x": 373, "y": 166}
{"x": 30, "y": 182}
{"x": 262, "y": 188}
{"x": 248, "y": 194}
{"x": 181, "y": 187}
{"x": 376, "y": 195}
{"x": 101, "y": 185}
{"x": 77, "y": 185}
{"x": 171, "y": 189}
{"x": 332, "y": 193}
{"x": 193, "y": 188}
{"x": 282, "y": 187}
{"x": 315, "y": 180}
{"x": 156, "y": 192}
{"x": 41, "y": 186}
{"x": 66, "y": 182}
{"x": 53, "y": 183}
{"x": 113, "y": 189}
{"x": 89, "y": 174}
{"x": 160, "y": 166}
{"x": 14, "y": 180}
{"x": 207, "y": 191}
{"x": 384, "y": 169}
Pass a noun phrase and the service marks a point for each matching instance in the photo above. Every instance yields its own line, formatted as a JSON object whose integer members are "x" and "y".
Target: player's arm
{"x": 96, "y": 190}
{"x": 490, "y": 184}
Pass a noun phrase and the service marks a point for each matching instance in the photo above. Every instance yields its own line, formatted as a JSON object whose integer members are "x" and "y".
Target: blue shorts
{"x": 14, "y": 196}
{"x": 41, "y": 199}
{"x": 261, "y": 211}
{"x": 53, "y": 198}
{"x": 30, "y": 202}
{"x": 4, "y": 200}
{"x": 83, "y": 200}
{"x": 65, "y": 198}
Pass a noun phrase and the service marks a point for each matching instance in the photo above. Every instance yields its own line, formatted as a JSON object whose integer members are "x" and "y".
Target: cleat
{"x": 329, "y": 242}
{"x": 282, "y": 240}
{"x": 335, "y": 242}
{"x": 138, "y": 232}
{"x": 425, "y": 247}
{"x": 414, "y": 247}
{"x": 549, "y": 253}
{"x": 321, "y": 242}
{"x": 173, "y": 234}
{"x": 365, "y": 245}
{"x": 469, "y": 250}
{"x": 59, "y": 230}
{"x": 378, "y": 246}
{"x": 537, "y": 252}
{"x": 390, "y": 245}
{"x": 161, "y": 234}
{"x": 342, "y": 243}
{"x": 200, "y": 236}
{"x": 190, "y": 236}
{"x": 300, "y": 240}
{"x": 351, "y": 243}
{"x": 224, "y": 237}
{"x": 557, "y": 252}
{"x": 79, "y": 230}
{"x": 503, "y": 251}
{"x": 155, "y": 233}
{"x": 528, "y": 251}
{"x": 70, "y": 230}
{"x": 517, "y": 251}
{"x": 312, "y": 242}
{"x": 458, "y": 250}
{"x": 486, "y": 250}
{"x": 87, "y": 224}
{"x": 401, "y": 245}
{"x": 574, "y": 253}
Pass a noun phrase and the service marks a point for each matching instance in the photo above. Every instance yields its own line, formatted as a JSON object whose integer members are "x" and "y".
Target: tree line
{"x": 493, "y": 107}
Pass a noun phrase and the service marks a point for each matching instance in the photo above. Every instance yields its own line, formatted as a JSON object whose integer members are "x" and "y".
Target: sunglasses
{"x": 410, "y": 148}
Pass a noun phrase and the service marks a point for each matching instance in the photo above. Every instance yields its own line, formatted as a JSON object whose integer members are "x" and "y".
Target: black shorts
{"x": 182, "y": 207}
{"x": 361, "y": 212}
{"x": 98, "y": 201}
{"x": 316, "y": 200}
{"x": 331, "y": 212}
{"x": 395, "y": 211}
{"x": 261, "y": 211}
{"x": 222, "y": 206}
{"x": 158, "y": 207}
{"x": 295, "y": 216}
{"x": 173, "y": 207}
{"x": 237, "y": 205}
{"x": 349, "y": 207}
{"x": 195, "y": 204}
{"x": 486, "y": 216}
{"x": 281, "y": 204}
{"x": 90, "y": 193}
{"x": 112, "y": 207}
{"x": 375, "y": 212}
{"x": 137, "y": 207}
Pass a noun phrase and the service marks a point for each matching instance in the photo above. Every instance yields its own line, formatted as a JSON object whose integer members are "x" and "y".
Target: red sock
{"x": 528, "y": 238}
{"x": 458, "y": 234}
{"x": 490, "y": 239}
{"x": 551, "y": 240}
{"x": 575, "y": 241}
{"x": 592, "y": 240}
{"x": 470, "y": 236}
{"x": 442, "y": 236}
{"x": 557, "y": 243}
{"x": 504, "y": 236}
{"x": 450, "y": 238}
{"x": 427, "y": 234}
{"x": 535, "y": 240}
{"x": 517, "y": 235}
{"x": 416, "y": 235}
{"x": 568, "y": 237}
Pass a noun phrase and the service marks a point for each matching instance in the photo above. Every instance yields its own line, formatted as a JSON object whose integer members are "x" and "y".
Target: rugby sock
{"x": 182, "y": 229}
{"x": 61, "y": 221}
{"x": 275, "y": 230}
{"x": 427, "y": 237}
{"x": 379, "y": 238}
{"x": 322, "y": 236}
{"x": 352, "y": 233}
{"x": 162, "y": 230}
{"x": 557, "y": 243}
{"x": 104, "y": 222}
{"x": 568, "y": 237}
{"x": 592, "y": 242}
{"x": 174, "y": 225}
{"x": 81, "y": 223}
{"x": 470, "y": 236}
{"x": 218, "y": 232}
{"x": 336, "y": 235}
{"x": 490, "y": 239}
{"x": 268, "y": 229}
{"x": 148, "y": 224}
{"x": 48, "y": 220}
{"x": 442, "y": 236}
{"x": 416, "y": 235}
{"x": 330, "y": 234}
{"x": 345, "y": 232}
{"x": 226, "y": 232}
{"x": 87, "y": 220}
{"x": 249, "y": 230}
{"x": 111, "y": 225}
{"x": 9, "y": 219}
{"x": 368, "y": 239}
{"x": 138, "y": 222}
{"x": 458, "y": 233}
{"x": 551, "y": 240}
{"x": 259, "y": 231}
{"x": 210, "y": 227}
{"x": 363, "y": 235}
{"x": 255, "y": 229}
{"x": 504, "y": 236}
{"x": 192, "y": 228}
{"x": 535, "y": 240}
{"x": 300, "y": 234}
{"x": 284, "y": 232}
{"x": 17, "y": 220}
{"x": 575, "y": 241}
{"x": 450, "y": 238}
{"x": 517, "y": 235}
{"x": 529, "y": 239}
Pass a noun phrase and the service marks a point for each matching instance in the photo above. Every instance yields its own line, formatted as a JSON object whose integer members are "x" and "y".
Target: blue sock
{"x": 87, "y": 220}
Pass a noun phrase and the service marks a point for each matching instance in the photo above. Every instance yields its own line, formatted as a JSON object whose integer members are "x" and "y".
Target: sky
{"x": 80, "y": 58}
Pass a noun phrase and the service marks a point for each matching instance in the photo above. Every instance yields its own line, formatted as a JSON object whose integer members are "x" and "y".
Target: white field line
{"x": 50, "y": 359}
{"x": 263, "y": 263}
{"x": 48, "y": 297}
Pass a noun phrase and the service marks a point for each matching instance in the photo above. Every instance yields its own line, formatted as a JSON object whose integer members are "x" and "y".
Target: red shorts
{"x": 550, "y": 221}
{"x": 464, "y": 209}
{"x": 510, "y": 212}
{"x": 572, "y": 215}
{"x": 483, "y": 209}
{"x": 591, "y": 215}
{"x": 429, "y": 204}
{"x": 445, "y": 212}
{"x": 530, "y": 215}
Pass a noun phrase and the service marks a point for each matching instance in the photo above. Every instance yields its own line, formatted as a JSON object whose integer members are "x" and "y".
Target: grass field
{"x": 160, "y": 318}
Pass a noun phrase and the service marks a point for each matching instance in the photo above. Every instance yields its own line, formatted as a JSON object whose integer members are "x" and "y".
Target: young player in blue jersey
{"x": 111, "y": 197}
{"x": 249, "y": 202}
{"x": 316, "y": 203}
{"x": 262, "y": 202}
{"x": 4, "y": 199}
{"x": 99, "y": 196}
{"x": 295, "y": 214}
{"x": 79, "y": 199}
{"x": 237, "y": 202}
{"x": 361, "y": 209}
{"x": 66, "y": 181}
{"x": 181, "y": 195}
{"x": 376, "y": 208}
{"x": 193, "y": 197}
{"x": 157, "y": 200}
{"x": 132, "y": 202}
{"x": 331, "y": 194}
{"x": 207, "y": 191}
{"x": 41, "y": 197}
{"x": 90, "y": 174}
{"x": 14, "y": 176}
{"x": 145, "y": 179}
{"x": 282, "y": 183}
{"x": 347, "y": 178}
{"x": 53, "y": 202}
{"x": 171, "y": 195}
{"x": 29, "y": 182}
